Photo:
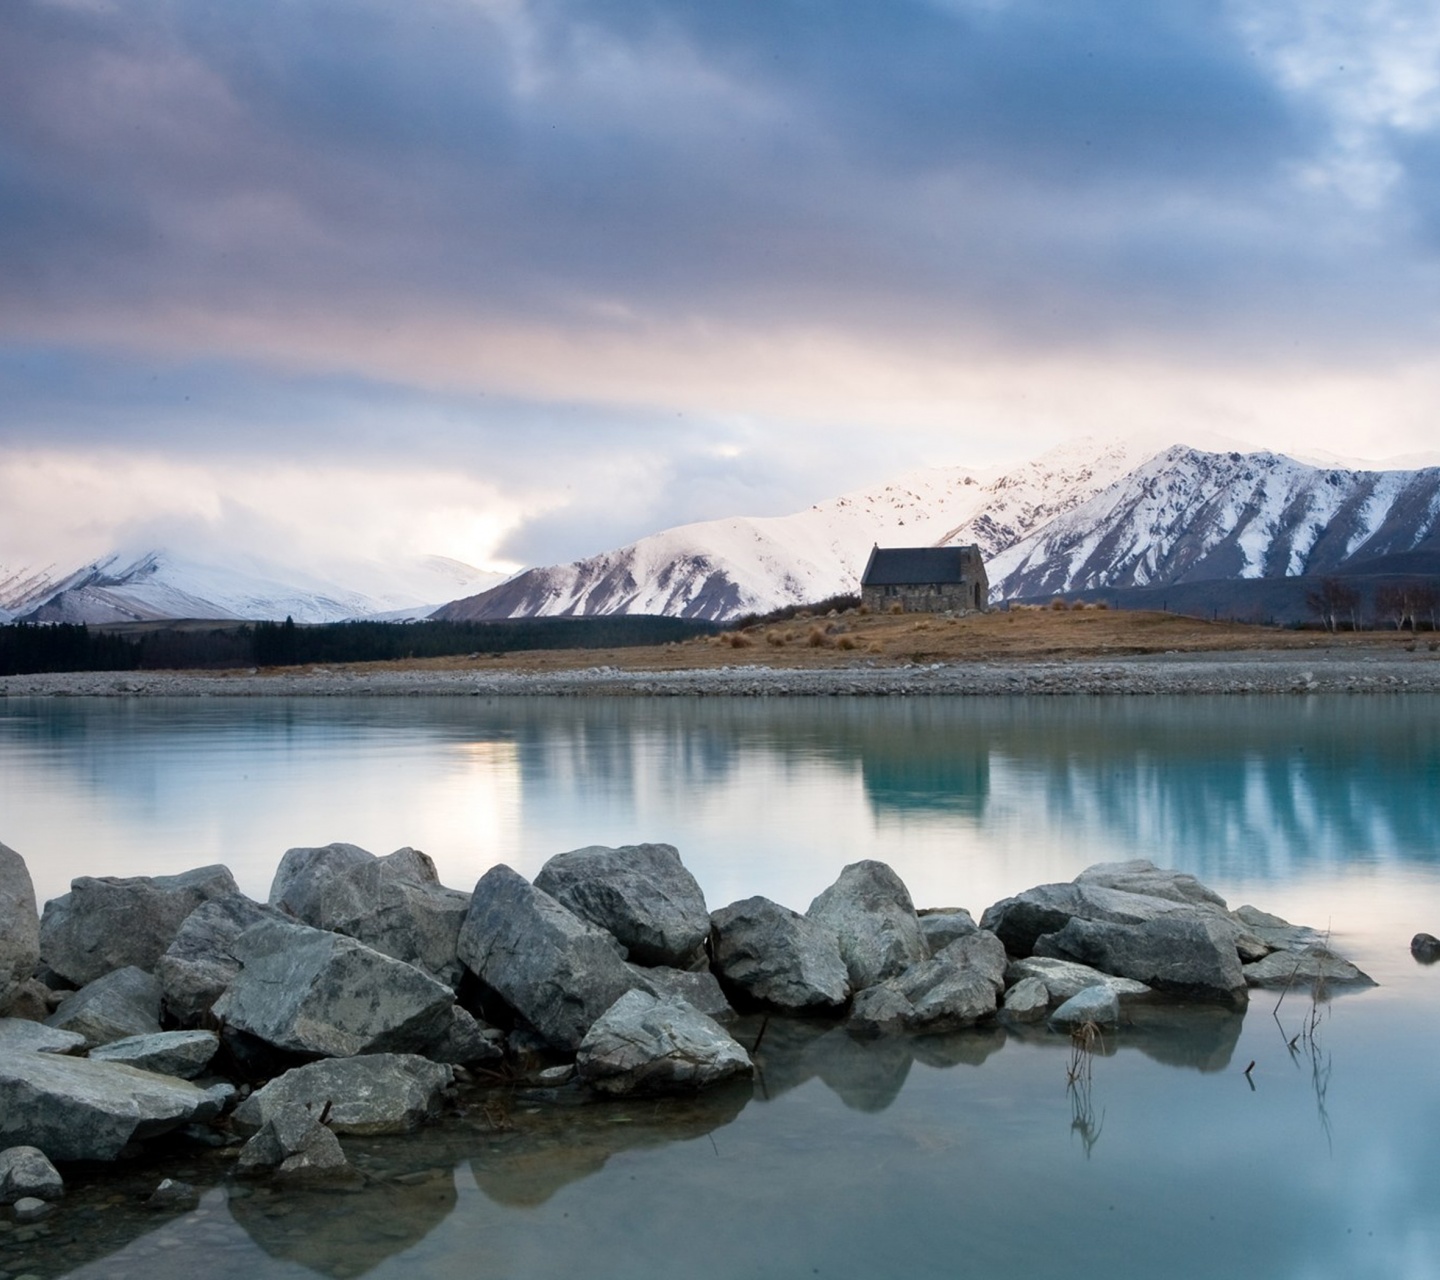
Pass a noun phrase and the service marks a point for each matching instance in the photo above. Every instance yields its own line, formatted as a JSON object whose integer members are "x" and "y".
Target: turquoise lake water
{"x": 954, "y": 1156}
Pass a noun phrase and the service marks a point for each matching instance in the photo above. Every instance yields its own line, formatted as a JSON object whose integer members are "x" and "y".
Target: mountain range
{"x": 1207, "y": 527}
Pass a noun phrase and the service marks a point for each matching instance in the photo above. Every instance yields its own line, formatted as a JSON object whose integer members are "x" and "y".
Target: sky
{"x": 516, "y": 281}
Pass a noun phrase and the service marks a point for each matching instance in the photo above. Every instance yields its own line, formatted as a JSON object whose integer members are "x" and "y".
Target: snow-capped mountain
{"x": 722, "y": 568}
{"x": 1188, "y": 516}
{"x": 157, "y": 585}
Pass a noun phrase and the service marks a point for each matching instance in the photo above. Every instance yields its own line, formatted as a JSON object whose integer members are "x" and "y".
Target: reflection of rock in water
{"x": 866, "y": 1074}
{"x": 1199, "y": 1036}
{"x": 345, "y": 1234}
{"x": 548, "y": 1149}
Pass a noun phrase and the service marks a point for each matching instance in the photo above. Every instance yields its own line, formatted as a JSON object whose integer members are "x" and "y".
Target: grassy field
{"x": 853, "y": 639}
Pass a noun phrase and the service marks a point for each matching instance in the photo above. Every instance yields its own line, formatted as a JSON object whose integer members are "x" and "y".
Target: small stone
{"x": 29, "y": 1209}
{"x": 173, "y": 1194}
{"x": 1425, "y": 947}
{"x": 27, "y": 1172}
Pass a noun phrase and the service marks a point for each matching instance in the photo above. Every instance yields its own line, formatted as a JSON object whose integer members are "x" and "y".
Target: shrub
{"x": 849, "y": 642}
{"x": 817, "y": 639}
{"x": 1058, "y": 604}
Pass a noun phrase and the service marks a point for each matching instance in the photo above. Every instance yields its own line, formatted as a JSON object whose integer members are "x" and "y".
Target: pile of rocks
{"x": 354, "y": 997}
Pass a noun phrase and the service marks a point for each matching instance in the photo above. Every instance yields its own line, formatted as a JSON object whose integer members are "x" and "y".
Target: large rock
{"x": 466, "y": 1041}
{"x": 25, "y": 1171}
{"x": 19, "y": 923}
{"x": 375, "y": 1093}
{"x": 200, "y": 963}
{"x": 642, "y": 1045}
{"x": 1027, "y": 1001}
{"x": 639, "y": 893}
{"x": 558, "y": 972}
{"x": 307, "y": 991}
{"x": 1191, "y": 954}
{"x": 1142, "y": 876}
{"x": 170, "y": 1053}
{"x": 74, "y": 1109}
{"x": 299, "y": 883}
{"x": 395, "y": 905}
{"x": 123, "y": 1003}
{"x": 873, "y": 918}
{"x": 698, "y": 988}
{"x": 1019, "y": 921}
{"x": 955, "y": 988}
{"x": 1273, "y": 932}
{"x": 779, "y": 958}
{"x": 940, "y": 926}
{"x": 1064, "y": 978}
{"x": 1314, "y": 965}
{"x": 107, "y": 922}
{"x": 20, "y": 1035}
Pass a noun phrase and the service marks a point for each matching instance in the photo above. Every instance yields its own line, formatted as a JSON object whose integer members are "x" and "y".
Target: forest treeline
{"x": 27, "y": 648}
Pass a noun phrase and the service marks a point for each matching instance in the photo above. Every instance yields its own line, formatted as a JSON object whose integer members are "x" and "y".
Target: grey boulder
{"x": 200, "y": 963}
{"x": 1142, "y": 876}
{"x": 1425, "y": 947}
{"x": 643, "y": 1045}
{"x": 20, "y": 1035}
{"x": 293, "y": 1144}
{"x": 1273, "y": 933}
{"x": 940, "y": 926}
{"x": 1020, "y": 921}
{"x": 1097, "y": 1006}
{"x": 19, "y": 923}
{"x": 308, "y": 991}
{"x": 698, "y": 988}
{"x": 371, "y": 1094}
{"x": 1027, "y": 1001}
{"x": 74, "y": 1109}
{"x": 108, "y": 922}
{"x": 1066, "y": 978}
{"x": 395, "y": 905}
{"x": 641, "y": 894}
{"x": 25, "y": 1171}
{"x": 873, "y": 918}
{"x": 955, "y": 988}
{"x": 557, "y": 971}
{"x": 1189, "y": 954}
{"x": 1314, "y": 965}
{"x": 779, "y": 958}
{"x": 125, "y": 1002}
{"x": 466, "y": 1041}
{"x": 169, "y": 1053}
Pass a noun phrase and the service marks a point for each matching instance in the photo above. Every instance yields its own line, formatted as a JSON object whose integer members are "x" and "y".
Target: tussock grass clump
{"x": 774, "y": 639}
{"x": 737, "y": 640}
{"x": 817, "y": 639}
{"x": 897, "y": 608}
{"x": 847, "y": 642}
{"x": 1058, "y": 604}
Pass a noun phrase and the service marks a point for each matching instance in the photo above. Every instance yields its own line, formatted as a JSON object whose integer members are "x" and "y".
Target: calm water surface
{"x": 953, "y": 1156}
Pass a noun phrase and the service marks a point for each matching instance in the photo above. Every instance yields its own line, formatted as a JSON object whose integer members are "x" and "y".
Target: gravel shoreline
{"x": 1240, "y": 672}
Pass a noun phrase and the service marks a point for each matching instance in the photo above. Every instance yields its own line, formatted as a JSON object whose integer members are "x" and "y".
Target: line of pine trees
{"x": 27, "y": 648}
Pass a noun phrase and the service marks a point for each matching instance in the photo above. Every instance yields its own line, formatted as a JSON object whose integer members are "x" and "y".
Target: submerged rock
{"x": 558, "y": 972}
{"x": 1311, "y": 966}
{"x": 779, "y": 958}
{"x": 169, "y": 1053}
{"x": 307, "y": 991}
{"x": 640, "y": 893}
{"x": 643, "y": 1045}
{"x": 201, "y": 962}
{"x": 19, "y": 923}
{"x": 870, "y": 911}
{"x": 25, "y": 1171}
{"x": 74, "y": 1109}
{"x": 124, "y": 1003}
{"x": 108, "y": 922}
{"x": 376, "y": 1093}
{"x": 954, "y": 989}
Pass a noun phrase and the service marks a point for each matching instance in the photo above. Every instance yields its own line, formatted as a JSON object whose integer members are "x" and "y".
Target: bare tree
{"x": 1395, "y": 603}
{"x": 1332, "y": 600}
{"x": 1426, "y": 597}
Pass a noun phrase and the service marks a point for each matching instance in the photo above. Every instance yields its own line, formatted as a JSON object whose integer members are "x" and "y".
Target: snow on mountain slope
{"x": 723, "y": 568}
{"x": 157, "y": 585}
{"x": 1187, "y": 516}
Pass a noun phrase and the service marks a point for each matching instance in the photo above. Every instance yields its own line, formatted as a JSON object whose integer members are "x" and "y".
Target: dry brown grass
{"x": 887, "y": 640}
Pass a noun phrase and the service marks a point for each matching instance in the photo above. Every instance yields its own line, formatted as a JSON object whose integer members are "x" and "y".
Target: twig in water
{"x": 764, "y": 1026}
